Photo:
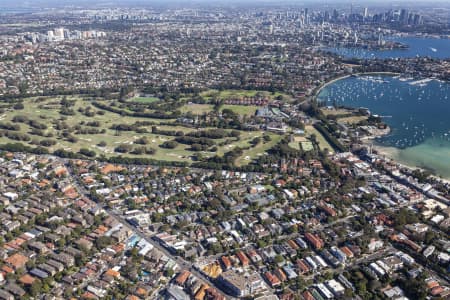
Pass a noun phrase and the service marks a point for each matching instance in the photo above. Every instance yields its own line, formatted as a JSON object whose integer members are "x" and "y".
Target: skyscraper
{"x": 404, "y": 16}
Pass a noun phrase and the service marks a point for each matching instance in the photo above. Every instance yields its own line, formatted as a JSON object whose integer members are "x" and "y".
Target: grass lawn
{"x": 248, "y": 110}
{"x": 295, "y": 144}
{"x": 199, "y": 109}
{"x": 229, "y": 94}
{"x": 258, "y": 150}
{"x": 144, "y": 99}
{"x": 352, "y": 120}
{"x": 310, "y": 130}
{"x": 307, "y": 146}
{"x": 337, "y": 111}
{"x": 196, "y": 109}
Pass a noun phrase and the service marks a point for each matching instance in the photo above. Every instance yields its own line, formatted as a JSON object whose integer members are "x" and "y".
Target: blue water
{"x": 431, "y": 47}
{"x": 417, "y": 112}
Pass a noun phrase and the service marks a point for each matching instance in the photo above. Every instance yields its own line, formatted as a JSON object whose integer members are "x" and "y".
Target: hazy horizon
{"x": 88, "y": 3}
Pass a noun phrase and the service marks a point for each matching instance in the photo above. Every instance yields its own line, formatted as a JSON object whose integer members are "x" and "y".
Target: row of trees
{"x": 187, "y": 140}
{"x": 214, "y": 133}
{"x": 9, "y": 126}
{"x": 156, "y": 130}
{"x": 153, "y": 115}
{"x": 32, "y": 123}
{"x": 126, "y": 148}
{"x": 334, "y": 142}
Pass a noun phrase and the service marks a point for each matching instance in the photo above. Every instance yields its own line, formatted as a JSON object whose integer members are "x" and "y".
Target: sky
{"x": 113, "y": 3}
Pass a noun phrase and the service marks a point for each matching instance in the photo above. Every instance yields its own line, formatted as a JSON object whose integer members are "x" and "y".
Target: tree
{"x": 348, "y": 293}
{"x": 429, "y": 236}
{"x": 134, "y": 253}
{"x": 261, "y": 243}
{"x": 36, "y": 288}
{"x": 169, "y": 273}
{"x": 61, "y": 242}
{"x": 169, "y": 144}
{"x": 267, "y": 138}
{"x": 328, "y": 275}
{"x": 300, "y": 283}
{"x": 18, "y": 106}
{"x": 87, "y": 152}
{"x": 361, "y": 286}
{"x": 278, "y": 259}
{"x": 414, "y": 288}
{"x": 103, "y": 242}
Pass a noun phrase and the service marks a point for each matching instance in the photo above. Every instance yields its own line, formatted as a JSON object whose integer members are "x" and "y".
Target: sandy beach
{"x": 394, "y": 154}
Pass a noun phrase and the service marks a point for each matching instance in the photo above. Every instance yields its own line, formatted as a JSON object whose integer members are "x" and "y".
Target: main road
{"x": 182, "y": 264}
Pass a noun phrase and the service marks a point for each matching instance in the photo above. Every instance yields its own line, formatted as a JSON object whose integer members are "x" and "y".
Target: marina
{"x": 416, "y": 111}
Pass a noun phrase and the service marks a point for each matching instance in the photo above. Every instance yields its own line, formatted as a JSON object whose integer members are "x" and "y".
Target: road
{"x": 182, "y": 264}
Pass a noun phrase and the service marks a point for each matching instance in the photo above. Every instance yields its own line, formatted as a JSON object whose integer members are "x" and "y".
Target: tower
{"x": 380, "y": 39}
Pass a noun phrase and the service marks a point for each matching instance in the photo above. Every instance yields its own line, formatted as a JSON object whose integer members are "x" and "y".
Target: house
{"x": 112, "y": 273}
{"x": 50, "y": 270}
{"x": 64, "y": 258}
{"x": 39, "y": 273}
{"x": 176, "y": 292}
{"x": 314, "y": 240}
{"x": 26, "y": 279}
{"x": 38, "y": 247}
{"x": 15, "y": 289}
{"x": 182, "y": 277}
{"x": 241, "y": 285}
{"x": 243, "y": 258}
{"x": 17, "y": 261}
{"x": 4, "y": 295}
{"x": 57, "y": 265}
{"x": 272, "y": 279}
{"x": 226, "y": 262}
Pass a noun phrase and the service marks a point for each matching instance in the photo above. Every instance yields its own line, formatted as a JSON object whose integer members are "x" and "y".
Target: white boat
{"x": 433, "y": 49}
{"x": 421, "y": 82}
{"x": 428, "y": 251}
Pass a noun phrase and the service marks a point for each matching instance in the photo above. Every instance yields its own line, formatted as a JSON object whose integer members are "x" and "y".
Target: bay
{"x": 416, "y": 110}
{"x": 418, "y": 46}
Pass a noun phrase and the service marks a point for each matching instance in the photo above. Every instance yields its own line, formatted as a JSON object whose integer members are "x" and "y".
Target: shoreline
{"x": 392, "y": 152}
{"x": 419, "y": 35}
{"x": 324, "y": 85}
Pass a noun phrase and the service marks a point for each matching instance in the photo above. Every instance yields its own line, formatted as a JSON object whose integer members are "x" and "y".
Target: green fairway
{"x": 199, "y": 109}
{"x": 196, "y": 109}
{"x": 249, "y": 110}
{"x": 144, "y": 99}
{"x": 75, "y": 123}
{"x": 237, "y": 94}
{"x": 260, "y": 149}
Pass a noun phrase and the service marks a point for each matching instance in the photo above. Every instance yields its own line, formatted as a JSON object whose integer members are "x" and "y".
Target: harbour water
{"x": 431, "y": 47}
{"x": 416, "y": 110}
